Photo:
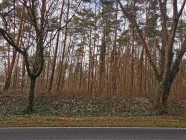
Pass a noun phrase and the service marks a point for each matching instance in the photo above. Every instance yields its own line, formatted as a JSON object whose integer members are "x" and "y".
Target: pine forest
{"x": 125, "y": 49}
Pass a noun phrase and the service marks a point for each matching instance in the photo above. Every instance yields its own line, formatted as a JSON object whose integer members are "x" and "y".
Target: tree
{"x": 64, "y": 49}
{"x": 107, "y": 24}
{"x": 6, "y": 8}
{"x": 56, "y": 50}
{"x": 165, "y": 72}
{"x": 36, "y": 19}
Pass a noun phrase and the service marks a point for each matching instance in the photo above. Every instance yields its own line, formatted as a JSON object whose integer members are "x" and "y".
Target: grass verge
{"x": 143, "y": 121}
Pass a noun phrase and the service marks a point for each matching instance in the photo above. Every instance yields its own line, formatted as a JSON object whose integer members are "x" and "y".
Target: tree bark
{"x": 31, "y": 95}
{"x": 164, "y": 90}
{"x": 162, "y": 99}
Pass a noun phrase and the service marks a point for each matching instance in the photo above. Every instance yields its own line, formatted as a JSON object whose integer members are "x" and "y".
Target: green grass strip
{"x": 39, "y": 121}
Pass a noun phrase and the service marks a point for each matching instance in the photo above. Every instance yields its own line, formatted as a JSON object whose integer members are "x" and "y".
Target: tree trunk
{"x": 23, "y": 75}
{"x": 9, "y": 76}
{"x": 163, "y": 94}
{"x": 164, "y": 90}
{"x": 8, "y": 80}
{"x": 55, "y": 52}
{"x": 114, "y": 84}
{"x": 16, "y": 75}
{"x": 64, "y": 48}
{"x": 90, "y": 63}
{"x": 31, "y": 95}
{"x": 132, "y": 63}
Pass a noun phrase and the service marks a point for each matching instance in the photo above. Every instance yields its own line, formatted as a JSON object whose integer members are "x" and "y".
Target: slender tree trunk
{"x": 143, "y": 49}
{"x": 155, "y": 58}
{"x": 64, "y": 48}
{"x": 114, "y": 85}
{"x": 90, "y": 62}
{"x": 23, "y": 74}
{"x": 8, "y": 67}
{"x": 145, "y": 74}
{"x": 132, "y": 63}
{"x": 8, "y": 80}
{"x": 31, "y": 95}
{"x": 81, "y": 63}
{"x": 102, "y": 62}
{"x": 47, "y": 69}
{"x": 63, "y": 76}
{"x": 141, "y": 69}
{"x": 65, "y": 66}
{"x": 126, "y": 66}
{"x": 55, "y": 52}
{"x": 93, "y": 71}
{"x": 15, "y": 71}
{"x": 103, "y": 52}
{"x": 9, "y": 76}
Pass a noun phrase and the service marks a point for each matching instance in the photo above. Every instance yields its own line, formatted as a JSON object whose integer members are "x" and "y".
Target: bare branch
{"x": 9, "y": 39}
{"x": 182, "y": 7}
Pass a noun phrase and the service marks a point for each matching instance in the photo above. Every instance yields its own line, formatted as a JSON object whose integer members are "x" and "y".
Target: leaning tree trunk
{"x": 31, "y": 95}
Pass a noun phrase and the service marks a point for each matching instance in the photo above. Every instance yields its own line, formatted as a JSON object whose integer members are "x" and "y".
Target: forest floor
{"x": 82, "y": 111}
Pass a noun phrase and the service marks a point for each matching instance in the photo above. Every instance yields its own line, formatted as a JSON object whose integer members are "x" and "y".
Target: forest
{"x": 94, "y": 49}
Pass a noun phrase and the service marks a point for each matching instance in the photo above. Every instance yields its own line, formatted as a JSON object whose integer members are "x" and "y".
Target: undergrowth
{"x": 15, "y": 105}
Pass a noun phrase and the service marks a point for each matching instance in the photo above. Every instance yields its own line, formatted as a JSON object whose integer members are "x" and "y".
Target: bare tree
{"x": 169, "y": 66}
{"x": 36, "y": 18}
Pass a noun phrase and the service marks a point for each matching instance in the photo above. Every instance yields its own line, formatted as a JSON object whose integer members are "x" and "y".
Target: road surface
{"x": 88, "y": 133}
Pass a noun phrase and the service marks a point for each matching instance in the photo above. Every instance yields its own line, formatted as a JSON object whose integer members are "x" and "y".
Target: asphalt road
{"x": 85, "y": 133}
